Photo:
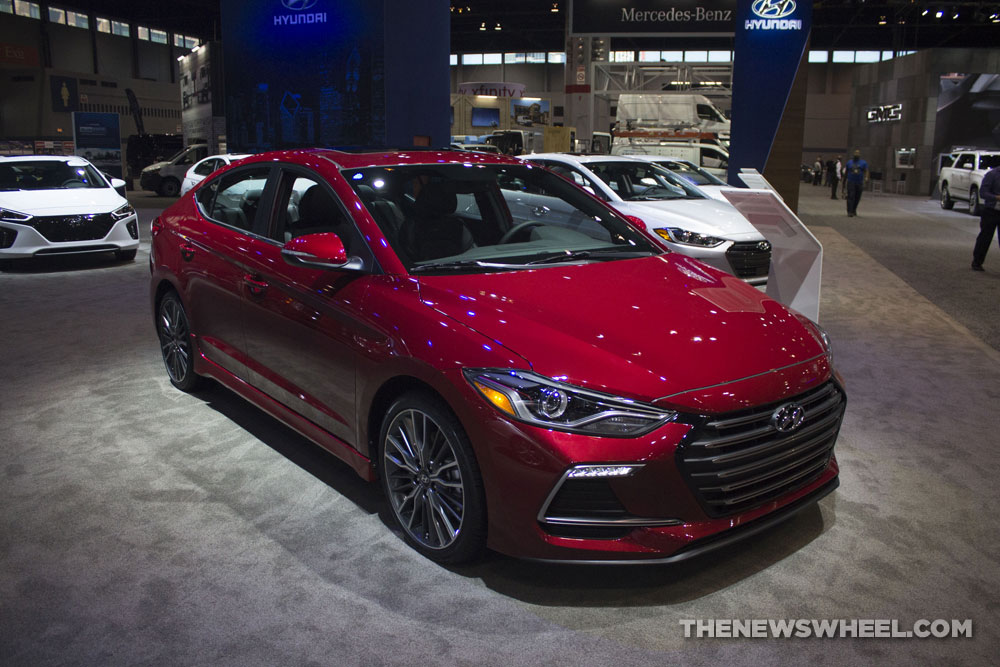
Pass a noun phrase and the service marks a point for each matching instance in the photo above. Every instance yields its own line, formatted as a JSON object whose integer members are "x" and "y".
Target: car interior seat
{"x": 317, "y": 213}
{"x": 434, "y": 230}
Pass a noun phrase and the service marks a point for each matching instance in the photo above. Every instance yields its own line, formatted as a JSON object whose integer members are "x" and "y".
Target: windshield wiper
{"x": 590, "y": 254}
{"x": 463, "y": 264}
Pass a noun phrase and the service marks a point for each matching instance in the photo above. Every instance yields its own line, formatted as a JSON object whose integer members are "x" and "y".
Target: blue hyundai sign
{"x": 770, "y": 39}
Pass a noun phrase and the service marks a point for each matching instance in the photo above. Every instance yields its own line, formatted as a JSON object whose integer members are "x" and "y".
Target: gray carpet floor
{"x": 143, "y": 526}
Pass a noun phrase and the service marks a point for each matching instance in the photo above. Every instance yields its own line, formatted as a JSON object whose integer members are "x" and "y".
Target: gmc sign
{"x": 885, "y": 113}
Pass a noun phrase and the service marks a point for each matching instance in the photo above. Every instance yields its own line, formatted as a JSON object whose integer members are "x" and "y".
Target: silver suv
{"x": 964, "y": 177}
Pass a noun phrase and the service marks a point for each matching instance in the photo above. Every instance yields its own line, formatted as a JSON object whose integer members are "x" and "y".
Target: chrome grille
{"x": 750, "y": 259}
{"x": 739, "y": 461}
{"x": 64, "y": 228}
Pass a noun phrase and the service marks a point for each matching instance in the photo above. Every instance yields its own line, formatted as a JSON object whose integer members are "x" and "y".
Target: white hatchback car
{"x": 62, "y": 204}
{"x": 686, "y": 219}
{"x": 197, "y": 173}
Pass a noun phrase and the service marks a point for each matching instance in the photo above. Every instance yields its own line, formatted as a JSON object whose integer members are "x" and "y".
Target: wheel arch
{"x": 389, "y": 391}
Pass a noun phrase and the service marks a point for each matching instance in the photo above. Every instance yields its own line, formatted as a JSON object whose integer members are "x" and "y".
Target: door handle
{"x": 187, "y": 252}
{"x": 255, "y": 284}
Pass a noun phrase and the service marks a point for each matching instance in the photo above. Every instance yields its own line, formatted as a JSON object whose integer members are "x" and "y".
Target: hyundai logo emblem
{"x": 764, "y": 246}
{"x": 788, "y": 417}
{"x": 773, "y": 9}
{"x": 301, "y": 5}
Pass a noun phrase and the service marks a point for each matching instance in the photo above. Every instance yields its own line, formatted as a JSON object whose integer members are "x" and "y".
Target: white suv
{"x": 965, "y": 175}
{"x": 684, "y": 218}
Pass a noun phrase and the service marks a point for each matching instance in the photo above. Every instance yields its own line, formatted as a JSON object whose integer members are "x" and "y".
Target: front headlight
{"x": 123, "y": 212}
{"x": 819, "y": 333}
{"x": 540, "y": 401}
{"x": 685, "y": 237}
{"x": 8, "y": 215}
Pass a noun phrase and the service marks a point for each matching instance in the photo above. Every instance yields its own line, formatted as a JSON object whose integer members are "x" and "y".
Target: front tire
{"x": 946, "y": 201}
{"x": 431, "y": 480}
{"x": 975, "y": 206}
{"x": 176, "y": 344}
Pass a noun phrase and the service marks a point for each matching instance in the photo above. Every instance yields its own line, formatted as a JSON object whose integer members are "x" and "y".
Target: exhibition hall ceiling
{"x": 539, "y": 25}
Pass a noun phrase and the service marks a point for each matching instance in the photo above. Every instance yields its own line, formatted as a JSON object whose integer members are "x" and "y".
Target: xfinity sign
{"x": 885, "y": 113}
{"x": 301, "y": 16}
{"x": 772, "y": 15}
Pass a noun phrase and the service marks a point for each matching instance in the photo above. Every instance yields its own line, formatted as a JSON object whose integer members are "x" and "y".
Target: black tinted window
{"x": 233, "y": 199}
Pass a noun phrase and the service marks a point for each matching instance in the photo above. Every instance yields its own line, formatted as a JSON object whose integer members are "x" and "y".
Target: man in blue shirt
{"x": 989, "y": 190}
{"x": 855, "y": 177}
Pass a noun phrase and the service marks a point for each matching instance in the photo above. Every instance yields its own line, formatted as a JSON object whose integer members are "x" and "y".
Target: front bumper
{"x": 657, "y": 514}
{"x": 64, "y": 235}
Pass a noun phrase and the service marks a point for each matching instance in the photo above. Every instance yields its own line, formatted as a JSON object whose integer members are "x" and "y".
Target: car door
{"x": 961, "y": 176}
{"x": 304, "y": 327}
{"x": 212, "y": 251}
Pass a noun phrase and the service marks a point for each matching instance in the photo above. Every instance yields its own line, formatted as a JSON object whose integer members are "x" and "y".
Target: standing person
{"x": 989, "y": 190}
{"x": 817, "y": 170}
{"x": 856, "y": 176}
{"x": 833, "y": 169}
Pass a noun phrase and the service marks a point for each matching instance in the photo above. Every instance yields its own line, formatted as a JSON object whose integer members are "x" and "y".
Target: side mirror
{"x": 638, "y": 222}
{"x": 320, "y": 251}
{"x": 119, "y": 186}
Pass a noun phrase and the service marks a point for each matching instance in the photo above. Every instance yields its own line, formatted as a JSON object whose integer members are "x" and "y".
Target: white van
{"x": 165, "y": 177}
{"x": 661, "y": 111}
{"x": 710, "y": 157}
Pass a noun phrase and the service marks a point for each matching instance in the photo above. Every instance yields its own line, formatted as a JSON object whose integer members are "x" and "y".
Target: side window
{"x": 712, "y": 159}
{"x": 964, "y": 161}
{"x": 233, "y": 199}
{"x": 206, "y": 167}
{"x": 306, "y": 206}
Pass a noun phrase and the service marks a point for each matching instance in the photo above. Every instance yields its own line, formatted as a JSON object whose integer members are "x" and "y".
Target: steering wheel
{"x": 517, "y": 229}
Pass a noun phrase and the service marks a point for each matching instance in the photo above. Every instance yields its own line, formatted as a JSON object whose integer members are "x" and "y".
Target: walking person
{"x": 833, "y": 169}
{"x": 856, "y": 177}
{"x": 989, "y": 190}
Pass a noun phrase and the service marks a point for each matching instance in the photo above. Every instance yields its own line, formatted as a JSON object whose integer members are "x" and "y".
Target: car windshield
{"x": 475, "y": 218}
{"x": 644, "y": 181}
{"x": 48, "y": 175}
{"x": 691, "y": 173}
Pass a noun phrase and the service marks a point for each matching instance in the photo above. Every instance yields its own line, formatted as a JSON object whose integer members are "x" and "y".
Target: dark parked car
{"x": 547, "y": 382}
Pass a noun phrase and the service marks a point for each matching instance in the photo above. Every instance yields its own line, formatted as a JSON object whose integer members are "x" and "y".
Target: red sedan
{"x": 520, "y": 367}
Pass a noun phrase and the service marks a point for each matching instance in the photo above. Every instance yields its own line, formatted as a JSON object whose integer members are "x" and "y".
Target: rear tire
{"x": 170, "y": 187}
{"x": 975, "y": 206}
{"x": 431, "y": 479}
{"x": 176, "y": 343}
{"x": 946, "y": 201}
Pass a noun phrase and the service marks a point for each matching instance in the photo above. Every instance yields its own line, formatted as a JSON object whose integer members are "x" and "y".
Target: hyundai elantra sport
{"x": 549, "y": 383}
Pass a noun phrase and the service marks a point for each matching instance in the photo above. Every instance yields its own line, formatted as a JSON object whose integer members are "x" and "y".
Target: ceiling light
{"x": 482, "y": 26}
{"x": 955, "y": 16}
{"x": 939, "y": 14}
{"x": 555, "y": 8}
{"x": 881, "y": 20}
{"x": 925, "y": 12}
{"x": 497, "y": 27}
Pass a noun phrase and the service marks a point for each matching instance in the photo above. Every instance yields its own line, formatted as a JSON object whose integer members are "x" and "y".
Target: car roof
{"x": 386, "y": 157}
{"x": 582, "y": 158}
{"x": 73, "y": 159}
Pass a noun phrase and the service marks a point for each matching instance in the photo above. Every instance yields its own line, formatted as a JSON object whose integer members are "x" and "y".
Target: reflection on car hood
{"x": 704, "y": 216}
{"x": 57, "y": 202}
{"x": 644, "y": 328}
{"x": 155, "y": 166}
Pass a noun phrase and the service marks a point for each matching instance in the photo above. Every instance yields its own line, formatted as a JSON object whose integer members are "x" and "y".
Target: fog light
{"x": 594, "y": 471}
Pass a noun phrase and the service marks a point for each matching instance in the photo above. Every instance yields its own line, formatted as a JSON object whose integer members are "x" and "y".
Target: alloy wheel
{"x": 424, "y": 479}
{"x": 175, "y": 340}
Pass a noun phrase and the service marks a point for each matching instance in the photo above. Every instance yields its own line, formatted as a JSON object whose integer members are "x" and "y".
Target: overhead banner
{"x": 635, "y": 17}
{"x": 771, "y": 37}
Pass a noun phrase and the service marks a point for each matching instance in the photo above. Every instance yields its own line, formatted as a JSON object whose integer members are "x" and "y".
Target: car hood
{"x": 155, "y": 166}
{"x": 645, "y": 328}
{"x": 704, "y": 216}
{"x": 58, "y": 202}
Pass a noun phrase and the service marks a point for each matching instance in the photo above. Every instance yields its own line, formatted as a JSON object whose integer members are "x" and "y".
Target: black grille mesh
{"x": 750, "y": 259}
{"x": 63, "y": 228}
